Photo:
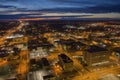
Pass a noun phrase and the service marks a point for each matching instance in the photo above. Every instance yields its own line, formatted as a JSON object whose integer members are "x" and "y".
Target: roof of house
{"x": 94, "y": 49}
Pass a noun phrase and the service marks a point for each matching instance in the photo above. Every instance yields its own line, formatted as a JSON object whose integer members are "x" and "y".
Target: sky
{"x": 12, "y": 9}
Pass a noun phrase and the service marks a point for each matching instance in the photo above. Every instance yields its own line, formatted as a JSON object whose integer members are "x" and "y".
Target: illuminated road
{"x": 97, "y": 74}
{"x": 2, "y": 39}
{"x": 84, "y": 74}
{"x": 24, "y": 63}
{"x": 3, "y": 62}
{"x": 9, "y": 32}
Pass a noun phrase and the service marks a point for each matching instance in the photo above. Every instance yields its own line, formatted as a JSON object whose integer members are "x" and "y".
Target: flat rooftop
{"x": 65, "y": 58}
{"x": 94, "y": 49}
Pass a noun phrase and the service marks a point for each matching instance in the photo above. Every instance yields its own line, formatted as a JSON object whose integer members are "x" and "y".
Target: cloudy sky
{"x": 11, "y": 9}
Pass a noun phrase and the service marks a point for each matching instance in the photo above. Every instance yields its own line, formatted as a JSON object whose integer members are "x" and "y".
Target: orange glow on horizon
{"x": 34, "y": 19}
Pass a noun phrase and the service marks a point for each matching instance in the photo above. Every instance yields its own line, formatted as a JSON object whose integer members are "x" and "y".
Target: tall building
{"x": 95, "y": 56}
{"x": 65, "y": 62}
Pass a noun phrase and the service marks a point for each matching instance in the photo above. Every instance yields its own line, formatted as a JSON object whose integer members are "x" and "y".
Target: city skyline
{"x": 14, "y": 9}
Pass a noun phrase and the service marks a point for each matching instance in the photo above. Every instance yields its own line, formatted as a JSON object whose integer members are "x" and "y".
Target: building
{"x": 95, "y": 56}
{"x": 49, "y": 77}
{"x": 22, "y": 46}
{"x": 3, "y": 53}
{"x": 65, "y": 62}
{"x": 71, "y": 45}
{"x": 109, "y": 77}
{"x": 116, "y": 51}
{"x": 45, "y": 63}
{"x": 66, "y": 45}
{"x": 4, "y": 69}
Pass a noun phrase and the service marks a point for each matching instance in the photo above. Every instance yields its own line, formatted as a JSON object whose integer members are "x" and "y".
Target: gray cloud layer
{"x": 22, "y": 8}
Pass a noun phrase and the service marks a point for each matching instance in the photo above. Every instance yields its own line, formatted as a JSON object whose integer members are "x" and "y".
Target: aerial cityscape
{"x": 59, "y": 40}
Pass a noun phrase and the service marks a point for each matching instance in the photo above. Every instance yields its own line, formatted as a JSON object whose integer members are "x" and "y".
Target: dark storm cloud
{"x": 103, "y": 9}
{"x": 72, "y": 1}
{"x": 65, "y": 5}
{"x": 93, "y": 9}
{"x": 93, "y": 2}
{"x": 10, "y": 0}
{"x": 36, "y": 7}
{"x": 7, "y": 6}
